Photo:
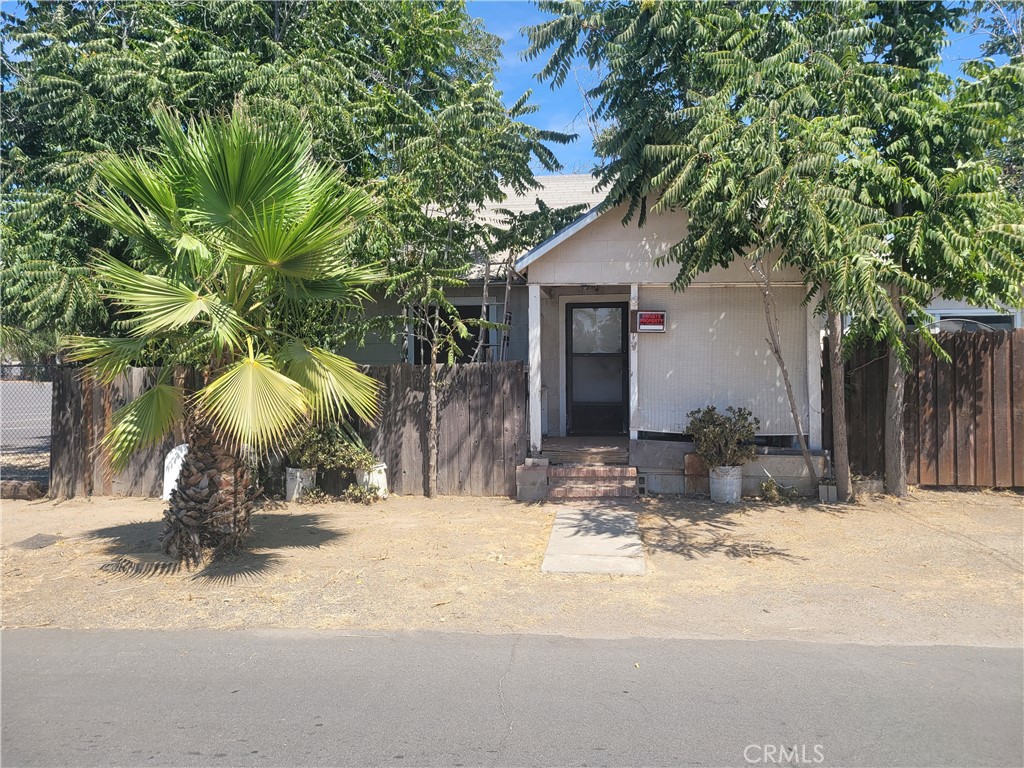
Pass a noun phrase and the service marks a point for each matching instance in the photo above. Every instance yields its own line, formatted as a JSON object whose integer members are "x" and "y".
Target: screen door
{"x": 597, "y": 361}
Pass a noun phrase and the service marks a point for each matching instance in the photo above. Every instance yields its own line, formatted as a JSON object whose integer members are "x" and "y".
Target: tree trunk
{"x": 432, "y": 425}
{"x": 480, "y": 353}
{"x": 895, "y": 448}
{"x": 211, "y": 507}
{"x": 840, "y": 440}
{"x": 763, "y": 276}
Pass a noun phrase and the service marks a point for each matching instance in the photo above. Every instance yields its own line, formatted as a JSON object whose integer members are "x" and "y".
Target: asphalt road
{"x": 296, "y": 698}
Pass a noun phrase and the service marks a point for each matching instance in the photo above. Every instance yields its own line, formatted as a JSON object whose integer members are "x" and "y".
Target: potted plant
{"x": 724, "y": 441}
{"x": 333, "y": 447}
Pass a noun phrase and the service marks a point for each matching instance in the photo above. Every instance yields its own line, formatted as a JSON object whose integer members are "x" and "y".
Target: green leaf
{"x": 335, "y": 384}
{"x": 143, "y": 422}
{"x": 254, "y": 406}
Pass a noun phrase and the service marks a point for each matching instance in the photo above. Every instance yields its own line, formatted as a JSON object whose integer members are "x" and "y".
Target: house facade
{"x": 614, "y": 349}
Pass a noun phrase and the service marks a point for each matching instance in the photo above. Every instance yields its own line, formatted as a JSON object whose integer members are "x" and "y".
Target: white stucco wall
{"x": 714, "y": 353}
{"x": 607, "y": 253}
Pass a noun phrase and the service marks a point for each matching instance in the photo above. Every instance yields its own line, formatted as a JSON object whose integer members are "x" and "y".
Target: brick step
{"x": 559, "y": 482}
{"x": 592, "y": 491}
{"x": 586, "y": 470}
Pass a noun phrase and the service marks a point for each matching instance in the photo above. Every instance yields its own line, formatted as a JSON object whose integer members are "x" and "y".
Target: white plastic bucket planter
{"x": 374, "y": 479}
{"x": 297, "y": 482}
{"x": 172, "y": 468}
{"x": 726, "y": 484}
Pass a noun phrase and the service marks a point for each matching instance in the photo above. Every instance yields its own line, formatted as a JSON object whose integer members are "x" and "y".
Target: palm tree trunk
{"x": 211, "y": 507}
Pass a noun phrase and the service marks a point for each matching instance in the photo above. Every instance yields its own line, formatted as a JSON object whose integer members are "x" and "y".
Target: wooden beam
{"x": 634, "y": 384}
{"x": 533, "y": 314}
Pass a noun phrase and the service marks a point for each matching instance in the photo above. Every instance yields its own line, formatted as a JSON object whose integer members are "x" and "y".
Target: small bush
{"x": 359, "y": 495}
{"x": 723, "y": 439}
{"x": 315, "y": 495}
{"x": 329, "y": 447}
{"x": 774, "y": 493}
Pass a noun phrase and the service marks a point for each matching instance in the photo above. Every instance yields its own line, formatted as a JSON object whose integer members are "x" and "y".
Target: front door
{"x": 597, "y": 375}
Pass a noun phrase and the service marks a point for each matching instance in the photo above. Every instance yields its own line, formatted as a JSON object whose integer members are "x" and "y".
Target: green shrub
{"x": 329, "y": 447}
{"x": 723, "y": 439}
{"x": 356, "y": 494}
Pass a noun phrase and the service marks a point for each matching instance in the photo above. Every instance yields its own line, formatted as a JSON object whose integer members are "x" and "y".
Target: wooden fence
{"x": 482, "y": 426}
{"x": 964, "y": 419}
{"x": 81, "y": 415}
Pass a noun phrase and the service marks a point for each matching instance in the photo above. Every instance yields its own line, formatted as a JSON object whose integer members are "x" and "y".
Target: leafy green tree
{"x": 451, "y": 162}
{"x": 79, "y": 79}
{"x": 1003, "y": 21}
{"x": 820, "y": 136}
{"x": 235, "y": 236}
{"x": 368, "y": 78}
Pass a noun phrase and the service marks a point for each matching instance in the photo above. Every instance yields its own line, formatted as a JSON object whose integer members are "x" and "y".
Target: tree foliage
{"x": 399, "y": 94}
{"x": 236, "y": 236}
{"x": 823, "y": 133}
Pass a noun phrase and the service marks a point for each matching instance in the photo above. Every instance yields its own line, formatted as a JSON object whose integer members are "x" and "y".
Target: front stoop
{"x": 575, "y": 481}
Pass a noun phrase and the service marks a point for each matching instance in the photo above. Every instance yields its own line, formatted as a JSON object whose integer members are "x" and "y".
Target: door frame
{"x": 577, "y": 302}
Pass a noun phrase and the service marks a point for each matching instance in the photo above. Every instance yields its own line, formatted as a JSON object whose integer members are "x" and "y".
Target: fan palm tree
{"x": 239, "y": 238}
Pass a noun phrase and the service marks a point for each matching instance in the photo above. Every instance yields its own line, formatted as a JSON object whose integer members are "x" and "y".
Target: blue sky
{"x": 560, "y": 110}
{"x": 563, "y": 109}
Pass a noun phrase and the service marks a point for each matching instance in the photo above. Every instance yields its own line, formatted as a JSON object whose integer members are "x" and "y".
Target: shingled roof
{"x": 558, "y": 191}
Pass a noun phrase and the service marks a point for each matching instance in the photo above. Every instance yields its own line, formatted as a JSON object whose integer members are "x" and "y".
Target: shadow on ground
{"x": 691, "y": 528}
{"x": 136, "y": 550}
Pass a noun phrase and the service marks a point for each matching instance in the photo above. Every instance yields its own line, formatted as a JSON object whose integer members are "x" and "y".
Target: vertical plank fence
{"x": 481, "y": 431}
{"x": 481, "y": 427}
{"x": 964, "y": 419}
{"x": 81, "y": 415}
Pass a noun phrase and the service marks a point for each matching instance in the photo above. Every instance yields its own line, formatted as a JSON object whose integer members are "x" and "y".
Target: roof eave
{"x": 556, "y": 239}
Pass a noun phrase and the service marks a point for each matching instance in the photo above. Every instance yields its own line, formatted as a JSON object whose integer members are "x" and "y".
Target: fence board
{"x": 68, "y": 441}
{"x": 1017, "y": 396}
{"x": 928, "y": 436}
{"x": 946, "y": 411}
{"x": 910, "y": 418}
{"x": 984, "y": 466}
{"x": 965, "y": 387}
{"x": 1002, "y": 407}
{"x": 964, "y": 419}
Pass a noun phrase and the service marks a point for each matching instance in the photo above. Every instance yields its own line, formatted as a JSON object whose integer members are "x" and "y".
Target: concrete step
{"x": 593, "y": 456}
{"x": 592, "y": 491}
{"x": 588, "y": 471}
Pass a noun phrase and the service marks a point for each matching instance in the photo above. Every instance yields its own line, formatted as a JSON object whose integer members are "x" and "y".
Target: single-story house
{"x": 613, "y": 350}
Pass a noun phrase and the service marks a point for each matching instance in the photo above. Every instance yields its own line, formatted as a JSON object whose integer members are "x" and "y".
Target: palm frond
{"x": 143, "y": 422}
{"x": 335, "y": 384}
{"x": 252, "y": 405}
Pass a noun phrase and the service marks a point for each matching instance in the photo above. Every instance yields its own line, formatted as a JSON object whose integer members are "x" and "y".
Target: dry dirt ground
{"x": 938, "y": 568}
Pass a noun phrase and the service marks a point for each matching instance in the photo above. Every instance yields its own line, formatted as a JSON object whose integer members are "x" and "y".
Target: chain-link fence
{"x": 26, "y": 395}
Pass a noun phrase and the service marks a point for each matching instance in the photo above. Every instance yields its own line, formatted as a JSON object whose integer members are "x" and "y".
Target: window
{"x": 421, "y": 350}
{"x": 952, "y": 320}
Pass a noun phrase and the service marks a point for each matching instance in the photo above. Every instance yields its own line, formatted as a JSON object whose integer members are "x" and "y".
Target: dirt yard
{"x": 939, "y": 568}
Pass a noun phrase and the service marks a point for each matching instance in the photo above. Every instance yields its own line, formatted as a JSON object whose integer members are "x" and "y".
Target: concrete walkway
{"x": 595, "y": 538}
